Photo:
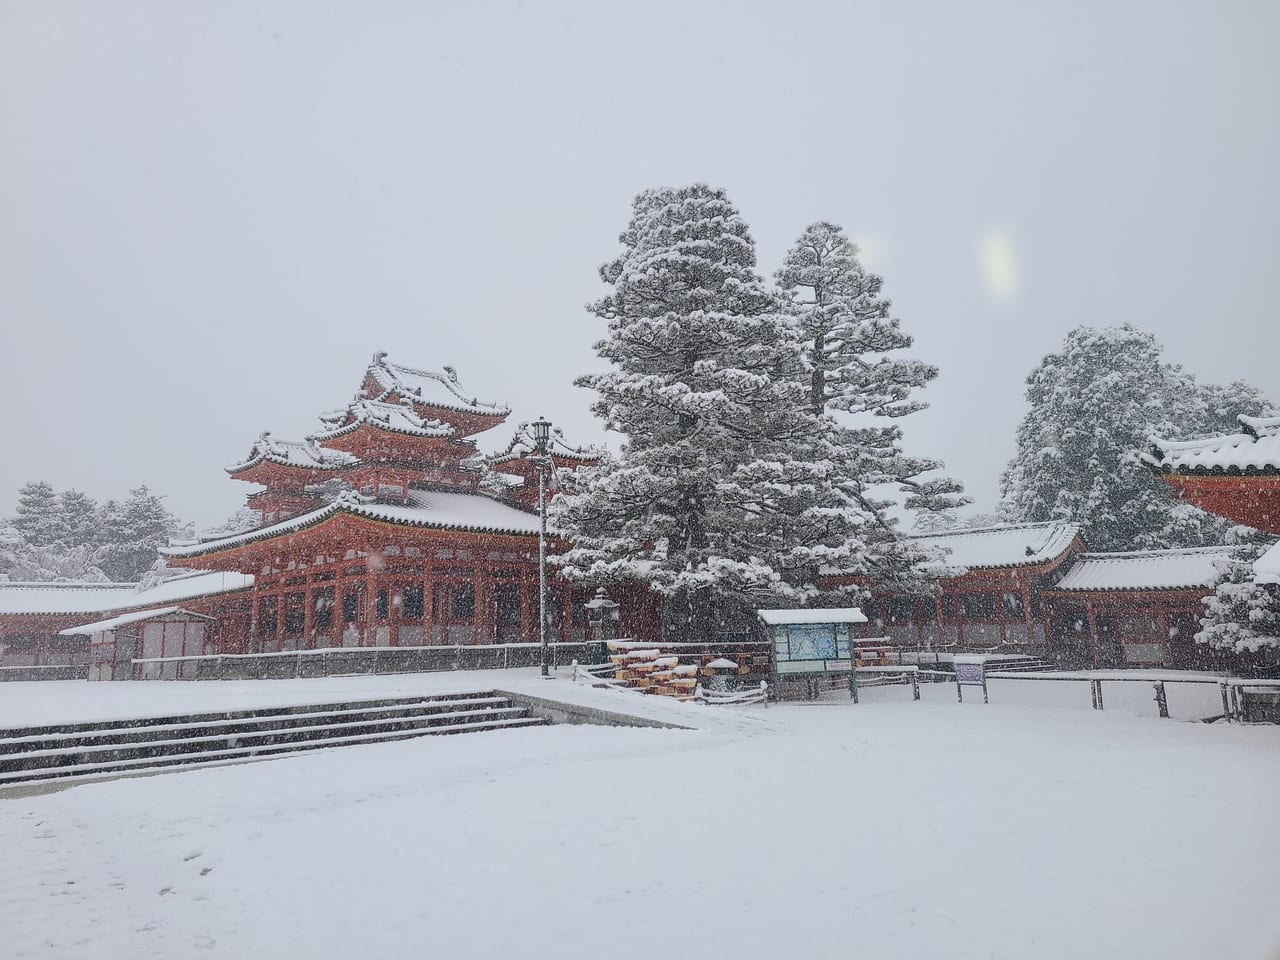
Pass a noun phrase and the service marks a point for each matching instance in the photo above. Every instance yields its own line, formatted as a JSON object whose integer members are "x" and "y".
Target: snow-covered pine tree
{"x": 1092, "y": 406}
{"x": 852, "y": 369}
{"x": 1242, "y": 616}
{"x": 78, "y": 513}
{"x": 723, "y": 496}
{"x": 1220, "y": 406}
{"x": 22, "y": 561}
{"x": 132, "y": 533}
{"x": 38, "y": 518}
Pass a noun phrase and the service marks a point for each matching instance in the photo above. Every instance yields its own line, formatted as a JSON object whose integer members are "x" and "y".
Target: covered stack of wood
{"x": 676, "y": 669}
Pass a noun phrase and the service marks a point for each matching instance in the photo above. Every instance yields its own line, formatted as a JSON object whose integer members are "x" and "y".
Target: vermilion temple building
{"x": 415, "y": 548}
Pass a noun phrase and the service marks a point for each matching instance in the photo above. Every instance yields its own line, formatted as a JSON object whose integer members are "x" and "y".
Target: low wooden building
{"x": 1133, "y": 609}
{"x": 158, "y": 644}
{"x": 993, "y": 598}
{"x": 35, "y": 616}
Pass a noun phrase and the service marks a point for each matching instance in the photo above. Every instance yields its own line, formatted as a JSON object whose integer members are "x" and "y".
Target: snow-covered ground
{"x": 887, "y": 829}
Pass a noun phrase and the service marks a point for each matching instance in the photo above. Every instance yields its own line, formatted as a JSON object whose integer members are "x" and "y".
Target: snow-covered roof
{"x": 1256, "y": 449}
{"x": 815, "y": 615}
{"x": 1145, "y": 569}
{"x": 395, "y": 417}
{"x": 101, "y": 626}
{"x": 434, "y": 509}
{"x": 58, "y": 598}
{"x": 292, "y": 453}
{"x": 428, "y": 387}
{"x": 63, "y": 597}
{"x": 1266, "y": 569}
{"x": 1007, "y": 545}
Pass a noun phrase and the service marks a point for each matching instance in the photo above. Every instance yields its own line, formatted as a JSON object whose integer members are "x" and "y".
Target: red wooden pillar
{"x": 1162, "y": 623}
{"x": 338, "y": 622}
{"x": 308, "y": 615}
{"x": 254, "y": 599}
{"x": 480, "y": 629}
{"x": 1095, "y": 648}
{"x": 428, "y": 602}
{"x": 528, "y": 617}
{"x": 394, "y": 588}
{"x": 369, "y": 636}
{"x": 1026, "y": 611}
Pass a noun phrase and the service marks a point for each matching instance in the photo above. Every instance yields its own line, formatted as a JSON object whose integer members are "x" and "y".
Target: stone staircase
{"x": 121, "y": 747}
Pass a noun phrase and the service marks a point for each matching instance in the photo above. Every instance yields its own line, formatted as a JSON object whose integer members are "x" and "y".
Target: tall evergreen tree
{"x": 849, "y": 345}
{"x": 724, "y": 494}
{"x": 132, "y": 533}
{"x": 38, "y": 518}
{"x": 78, "y": 515}
{"x": 1092, "y": 406}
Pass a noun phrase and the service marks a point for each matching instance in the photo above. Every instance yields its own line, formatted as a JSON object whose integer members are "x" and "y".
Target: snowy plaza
{"x": 885, "y": 829}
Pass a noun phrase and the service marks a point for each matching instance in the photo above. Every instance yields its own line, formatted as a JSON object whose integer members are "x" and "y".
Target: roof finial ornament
{"x": 453, "y": 373}
{"x": 379, "y": 356}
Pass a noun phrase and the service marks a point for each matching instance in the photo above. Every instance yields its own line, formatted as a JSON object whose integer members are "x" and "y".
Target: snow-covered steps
{"x": 111, "y": 748}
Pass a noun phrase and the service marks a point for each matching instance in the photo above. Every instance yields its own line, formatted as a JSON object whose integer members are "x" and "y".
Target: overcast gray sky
{"x": 211, "y": 214}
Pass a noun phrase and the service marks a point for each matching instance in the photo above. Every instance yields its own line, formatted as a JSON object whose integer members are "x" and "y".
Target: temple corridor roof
{"x": 60, "y": 598}
{"x": 1006, "y": 545}
{"x": 1145, "y": 570}
{"x": 1255, "y": 450}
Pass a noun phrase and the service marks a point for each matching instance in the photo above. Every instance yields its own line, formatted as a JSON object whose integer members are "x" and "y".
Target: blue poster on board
{"x": 812, "y": 641}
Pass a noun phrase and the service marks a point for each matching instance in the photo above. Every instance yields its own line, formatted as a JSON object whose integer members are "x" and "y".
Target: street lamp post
{"x": 541, "y": 437}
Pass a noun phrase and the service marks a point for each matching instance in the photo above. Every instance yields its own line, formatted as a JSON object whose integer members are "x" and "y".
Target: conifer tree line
{"x": 66, "y": 535}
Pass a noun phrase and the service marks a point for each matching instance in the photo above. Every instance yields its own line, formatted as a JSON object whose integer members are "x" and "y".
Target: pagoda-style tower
{"x": 379, "y": 530}
{"x": 405, "y": 428}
